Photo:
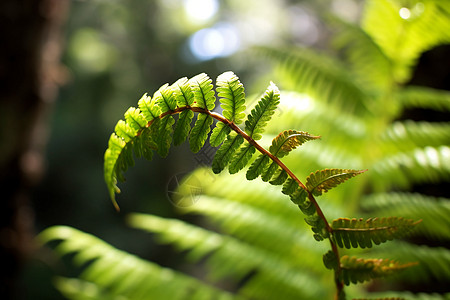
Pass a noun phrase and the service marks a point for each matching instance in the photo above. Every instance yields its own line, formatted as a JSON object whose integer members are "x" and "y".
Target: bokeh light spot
{"x": 200, "y": 11}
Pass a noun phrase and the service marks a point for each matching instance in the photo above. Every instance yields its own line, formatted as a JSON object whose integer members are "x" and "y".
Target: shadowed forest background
{"x": 111, "y": 53}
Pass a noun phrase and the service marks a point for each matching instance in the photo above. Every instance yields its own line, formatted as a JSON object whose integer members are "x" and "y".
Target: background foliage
{"x": 116, "y": 51}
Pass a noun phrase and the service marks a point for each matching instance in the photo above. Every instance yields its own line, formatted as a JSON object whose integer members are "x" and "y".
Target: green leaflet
{"x": 257, "y": 167}
{"x": 232, "y": 97}
{"x": 299, "y": 196}
{"x": 182, "y": 92}
{"x": 279, "y": 177}
{"x": 356, "y": 270}
{"x": 289, "y": 187}
{"x": 218, "y": 134}
{"x": 148, "y": 108}
{"x": 241, "y": 158}
{"x": 125, "y": 131}
{"x": 199, "y": 132}
{"x": 288, "y": 140}
{"x": 163, "y": 138}
{"x": 322, "y": 181}
{"x": 330, "y": 260}
{"x": 226, "y": 151}
{"x": 353, "y": 233}
{"x": 115, "y": 148}
{"x": 144, "y": 144}
{"x": 182, "y": 127}
{"x": 262, "y": 113}
{"x": 203, "y": 91}
{"x": 135, "y": 119}
{"x": 165, "y": 99}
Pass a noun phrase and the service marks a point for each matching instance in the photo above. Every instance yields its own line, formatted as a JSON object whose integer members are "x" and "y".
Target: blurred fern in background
{"x": 255, "y": 239}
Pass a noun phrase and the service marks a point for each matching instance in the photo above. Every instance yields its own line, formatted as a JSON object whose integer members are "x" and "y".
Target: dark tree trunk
{"x": 30, "y": 44}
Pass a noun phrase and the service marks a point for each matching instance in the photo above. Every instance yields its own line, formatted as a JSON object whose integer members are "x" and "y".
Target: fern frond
{"x": 226, "y": 152}
{"x": 241, "y": 158}
{"x": 231, "y": 94}
{"x": 318, "y": 76}
{"x": 406, "y": 135}
{"x": 423, "y": 97}
{"x": 357, "y": 270}
{"x": 302, "y": 111}
{"x": 433, "y": 262}
{"x": 288, "y": 140}
{"x": 234, "y": 257}
{"x": 322, "y": 181}
{"x": 200, "y": 131}
{"x": 403, "y": 39}
{"x": 262, "y": 112}
{"x": 125, "y": 275}
{"x": 433, "y": 211}
{"x": 202, "y": 88}
{"x": 366, "y": 59}
{"x": 429, "y": 164}
{"x": 282, "y": 237}
{"x": 362, "y": 233}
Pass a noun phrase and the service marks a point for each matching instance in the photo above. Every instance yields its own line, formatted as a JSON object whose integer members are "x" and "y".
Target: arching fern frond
{"x": 406, "y": 135}
{"x": 282, "y": 238}
{"x": 318, "y": 76}
{"x": 234, "y": 257}
{"x": 118, "y": 273}
{"x": 433, "y": 262}
{"x": 367, "y": 60}
{"x": 154, "y": 127}
{"x": 433, "y": 211}
{"x": 362, "y": 233}
{"x": 423, "y": 97}
{"x": 421, "y": 165}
